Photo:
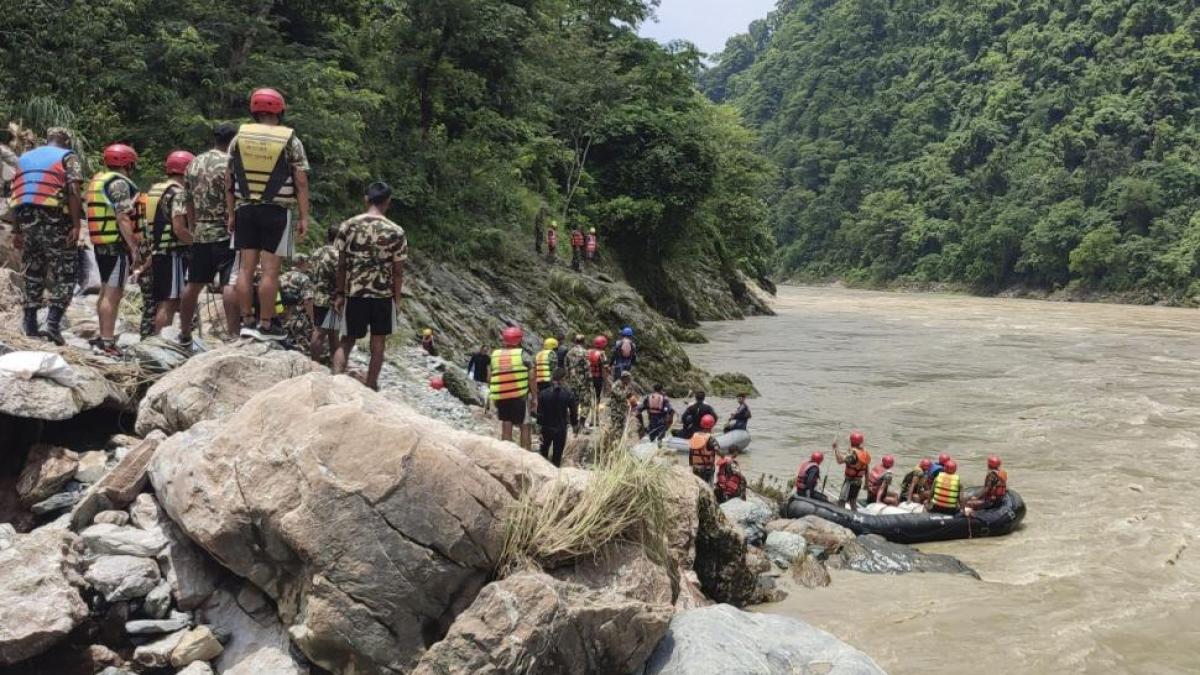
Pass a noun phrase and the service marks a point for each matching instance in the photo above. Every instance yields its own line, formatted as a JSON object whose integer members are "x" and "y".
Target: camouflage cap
{"x": 59, "y": 132}
{"x": 300, "y": 259}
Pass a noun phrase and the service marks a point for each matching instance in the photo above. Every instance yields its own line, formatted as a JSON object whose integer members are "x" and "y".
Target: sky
{"x": 707, "y": 23}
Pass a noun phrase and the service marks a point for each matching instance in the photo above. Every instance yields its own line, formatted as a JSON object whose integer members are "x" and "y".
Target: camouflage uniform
{"x": 296, "y": 288}
{"x": 371, "y": 244}
{"x": 204, "y": 191}
{"x": 50, "y": 260}
{"x": 619, "y": 403}
{"x": 8, "y": 171}
{"x": 122, "y": 193}
{"x": 579, "y": 374}
{"x": 146, "y": 284}
{"x": 324, "y": 275}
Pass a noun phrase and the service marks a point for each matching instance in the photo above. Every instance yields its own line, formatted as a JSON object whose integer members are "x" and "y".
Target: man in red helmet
{"x": 879, "y": 480}
{"x": 168, "y": 242}
{"x": 370, "y": 279}
{"x": 995, "y": 486}
{"x": 857, "y": 462}
{"x": 947, "y": 490}
{"x": 112, "y": 227}
{"x": 598, "y": 376}
{"x": 808, "y": 477}
{"x": 267, "y": 176}
{"x": 512, "y": 386}
{"x": 703, "y": 450}
{"x": 912, "y": 488}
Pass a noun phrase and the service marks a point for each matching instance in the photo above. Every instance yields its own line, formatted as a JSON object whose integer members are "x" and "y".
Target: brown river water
{"x": 1095, "y": 410}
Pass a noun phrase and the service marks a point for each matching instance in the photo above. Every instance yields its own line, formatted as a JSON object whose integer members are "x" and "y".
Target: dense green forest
{"x": 996, "y": 143}
{"x": 480, "y": 113}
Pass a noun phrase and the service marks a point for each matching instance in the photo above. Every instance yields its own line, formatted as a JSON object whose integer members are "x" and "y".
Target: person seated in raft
{"x": 808, "y": 477}
{"x": 946, "y": 490}
{"x": 730, "y": 481}
{"x": 878, "y": 482}
{"x": 995, "y": 486}
{"x": 740, "y": 418}
{"x": 692, "y": 416}
{"x": 936, "y": 468}
{"x": 912, "y": 488}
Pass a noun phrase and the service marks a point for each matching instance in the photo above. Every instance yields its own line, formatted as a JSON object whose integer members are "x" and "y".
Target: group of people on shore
{"x": 934, "y": 485}
{"x": 228, "y": 220}
{"x": 584, "y": 245}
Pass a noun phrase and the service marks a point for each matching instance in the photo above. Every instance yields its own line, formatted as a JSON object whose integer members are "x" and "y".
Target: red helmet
{"x": 951, "y": 466}
{"x": 177, "y": 162}
{"x": 926, "y": 464}
{"x": 943, "y": 459}
{"x": 119, "y": 156}
{"x": 601, "y": 341}
{"x": 708, "y": 422}
{"x": 993, "y": 462}
{"x": 888, "y": 461}
{"x": 817, "y": 457}
{"x": 266, "y": 101}
{"x": 856, "y": 438}
{"x": 512, "y": 336}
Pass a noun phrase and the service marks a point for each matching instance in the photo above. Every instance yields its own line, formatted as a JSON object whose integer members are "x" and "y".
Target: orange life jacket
{"x": 946, "y": 490}
{"x": 729, "y": 479}
{"x": 874, "y": 479}
{"x": 1000, "y": 489}
{"x": 699, "y": 456}
{"x": 596, "y": 362}
{"x": 509, "y": 376}
{"x": 803, "y": 472}
{"x": 862, "y": 461}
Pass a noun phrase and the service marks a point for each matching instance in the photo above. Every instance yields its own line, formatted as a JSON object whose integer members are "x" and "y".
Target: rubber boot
{"x": 31, "y": 322}
{"x": 53, "y": 330}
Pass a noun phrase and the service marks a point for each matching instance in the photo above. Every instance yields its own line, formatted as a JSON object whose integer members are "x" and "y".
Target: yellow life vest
{"x": 161, "y": 232}
{"x": 279, "y": 308}
{"x": 261, "y": 173}
{"x": 101, "y": 213}
{"x": 945, "y": 490}
{"x": 545, "y": 361}
{"x": 509, "y": 375}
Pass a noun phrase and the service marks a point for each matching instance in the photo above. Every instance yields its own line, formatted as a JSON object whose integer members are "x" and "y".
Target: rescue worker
{"x": 703, "y": 449}
{"x": 370, "y": 279}
{"x": 477, "y": 369}
{"x": 511, "y": 386}
{"x": 552, "y": 242}
{"x": 143, "y": 275}
{"x": 297, "y": 299}
{"x": 267, "y": 175}
{"x": 427, "y": 342}
{"x": 662, "y": 415}
{"x": 545, "y": 361}
{"x": 857, "y": 462}
{"x": 561, "y": 350}
{"x": 112, "y": 219}
{"x": 591, "y": 245}
{"x": 937, "y": 468}
{"x": 576, "y": 247}
{"x": 598, "y": 375}
{"x": 557, "y": 411}
{"x": 693, "y": 414}
{"x": 808, "y": 477}
{"x": 946, "y": 490}
{"x": 879, "y": 480}
{"x": 624, "y": 354}
{"x": 740, "y": 418}
{"x": 169, "y": 239}
{"x": 8, "y": 167}
{"x": 326, "y": 322}
{"x": 578, "y": 369}
{"x": 995, "y": 486}
{"x": 731, "y": 484}
{"x": 912, "y": 488}
{"x": 45, "y": 208}
{"x": 623, "y": 399}
{"x": 203, "y": 210}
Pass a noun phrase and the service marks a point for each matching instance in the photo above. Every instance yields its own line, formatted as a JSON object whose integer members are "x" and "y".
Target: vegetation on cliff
{"x": 991, "y": 143}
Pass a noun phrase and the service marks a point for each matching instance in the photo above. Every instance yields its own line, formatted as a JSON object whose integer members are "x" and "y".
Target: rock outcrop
{"x": 46, "y": 470}
{"x": 45, "y": 399}
{"x": 39, "y": 593}
{"x": 873, "y": 554}
{"x": 816, "y": 531}
{"x": 215, "y": 384}
{"x": 721, "y": 639}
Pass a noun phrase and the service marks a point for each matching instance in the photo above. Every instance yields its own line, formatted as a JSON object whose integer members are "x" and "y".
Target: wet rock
{"x": 118, "y": 518}
{"x": 256, "y": 642}
{"x": 873, "y": 554}
{"x": 199, "y": 644}
{"x": 721, "y": 557}
{"x": 116, "y": 540}
{"x": 749, "y": 515}
{"x": 157, "y": 654}
{"x": 768, "y": 590}
{"x": 120, "y": 486}
{"x": 122, "y": 577}
{"x": 157, "y": 604}
{"x": 214, "y": 384}
{"x": 92, "y": 466}
{"x": 711, "y": 640}
{"x": 177, "y": 622}
{"x": 47, "y": 470}
{"x": 810, "y": 572}
{"x": 56, "y": 503}
{"x": 532, "y": 623}
{"x": 816, "y": 531}
{"x": 145, "y": 513}
{"x": 785, "y": 547}
{"x": 39, "y": 593}
{"x": 729, "y": 385}
{"x": 189, "y": 571}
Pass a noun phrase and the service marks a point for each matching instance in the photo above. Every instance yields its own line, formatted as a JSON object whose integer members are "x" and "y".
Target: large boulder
{"x": 873, "y": 554}
{"x": 47, "y": 469}
{"x": 215, "y": 384}
{"x": 816, "y": 531}
{"x": 750, "y": 515}
{"x": 721, "y": 639}
{"x": 39, "y": 593}
{"x": 370, "y": 526}
{"x": 47, "y": 399}
{"x": 722, "y": 562}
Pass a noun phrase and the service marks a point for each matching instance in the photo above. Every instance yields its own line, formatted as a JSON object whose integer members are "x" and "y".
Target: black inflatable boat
{"x": 914, "y": 528}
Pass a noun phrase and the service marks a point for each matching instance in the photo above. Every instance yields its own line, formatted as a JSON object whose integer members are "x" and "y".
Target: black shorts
{"x": 169, "y": 272}
{"x": 262, "y": 227}
{"x": 319, "y": 315}
{"x": 511, "y": 410}
{"x": 212, "y": 260}
{"x": 376, "y": 314}
{"x": 114, "y": 267}
{"x": 850, "y": 489}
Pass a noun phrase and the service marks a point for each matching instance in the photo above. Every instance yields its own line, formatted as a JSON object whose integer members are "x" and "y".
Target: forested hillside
{"x": 998, "y": 143}
{"x": 480, "y": 113}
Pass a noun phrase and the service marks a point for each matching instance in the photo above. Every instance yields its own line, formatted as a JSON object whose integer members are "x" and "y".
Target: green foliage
{"x": 992, "y": 143}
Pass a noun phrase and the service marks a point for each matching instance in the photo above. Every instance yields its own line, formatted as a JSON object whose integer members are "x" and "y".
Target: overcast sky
{"x": 707, "y": 23}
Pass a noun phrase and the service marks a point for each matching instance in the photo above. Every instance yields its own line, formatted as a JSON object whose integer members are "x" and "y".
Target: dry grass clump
{"x": 129, "y": 376}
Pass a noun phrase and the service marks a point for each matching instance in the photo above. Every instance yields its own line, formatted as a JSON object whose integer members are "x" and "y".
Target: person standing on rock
{"x": 169, "y": 239}
{"x": 202, "y": 208}
{"x": 591, "y": 245}
{"x": 267, "y": 175}
{"x": 660, "y": 412}
{"x": 8, "y": 167}
{"x": 326, "y": 322}
{"x": 477, "y": 369}
{"x": 370, "y": 279}
{"x": 731, "y": 483}
{"x": 545, "y": 361}
{"x": 427, "y": 342}
{"x": 597, "y": 375}
{"x": 552, "y": 242}
{"x": 857, "y": 462}
{"x": 45, "y": 209}
{"x": 808, "y": 478}
{"x": 298, "y": 300}
{"x": 703, "y": 450}
{"x": 578, "y": 373}
{"x": 112, "y": 219}
{"x": 560, "y": 352}
{"x": 576, "y": 248}
{"x": 512, "y": 386}
{"x": 557, "y": 410}
{"x": 622, "y": 401}
{"x": 624, "y": 355}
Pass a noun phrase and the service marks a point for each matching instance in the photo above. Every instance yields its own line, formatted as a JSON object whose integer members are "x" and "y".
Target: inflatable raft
{"x": 730, "y": 439}
{"x": 914, "y": 528}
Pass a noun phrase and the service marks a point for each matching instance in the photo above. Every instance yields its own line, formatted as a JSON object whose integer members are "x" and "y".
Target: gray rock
{"x": 113, "y": 670}
{"x": 145, "y": 513}
{"x": 199, "y": 644}
{"x": 7, "y": 534}
{"x": 783, "y": 548}
{"x": 816, "y": 531}
{"x": 158, "y": 626}
{"x": 256, "y": 642}
{"x": 122, "y": 577}
{"x": 157, "y": 604}
{"x": 190, "y": 572}
{"x": 118, "y": 518}
{"x": 47, "y": 470}
{"x": 722, "y": 639}
{"x": 200, "y": 668}
{"x": 120, "y": 486}
{"x": 873, "y": 554}
{"x": 750, "y": 517}
{"x": 157, "y": 654}
{"x": 92, "y": 466}
{"x": 105, "y": 539}
{"x": 39, "y": 593}
{"x": 44, "y": 399}
{"x": 157, "y": 354}
{"x": 58, "y": 502}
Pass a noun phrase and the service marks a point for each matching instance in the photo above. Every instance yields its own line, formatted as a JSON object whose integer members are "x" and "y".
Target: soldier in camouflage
{"x": 296, "y": 294}
{"x": 48, "y": 233}
{"x": 143, "y": 274}
{"x": 323, "y": 266}
{"x": 8, "y": 170}
{"x": 621, "y": 399}
{"x": 579, "y": 377}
